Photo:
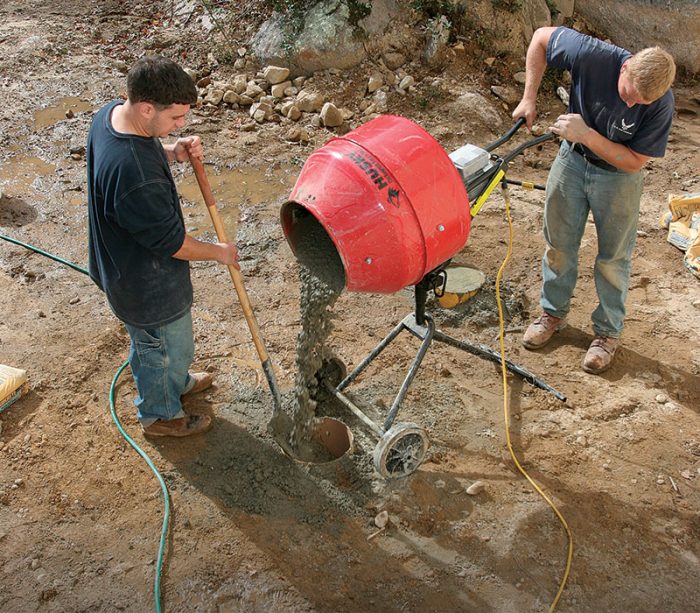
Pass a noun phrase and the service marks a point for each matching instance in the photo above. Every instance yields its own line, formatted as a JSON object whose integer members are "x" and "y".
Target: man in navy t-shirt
{"x": 138, "y": 247}
{"x": 619, "y": 116}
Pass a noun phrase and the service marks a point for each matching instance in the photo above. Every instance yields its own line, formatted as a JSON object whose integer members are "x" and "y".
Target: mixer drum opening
{"x": 390, "y": 199}
{"x": 312, "y": 245}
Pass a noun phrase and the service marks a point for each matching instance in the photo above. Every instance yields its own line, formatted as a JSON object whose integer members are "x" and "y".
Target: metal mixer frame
{"x": 402, "y": 446}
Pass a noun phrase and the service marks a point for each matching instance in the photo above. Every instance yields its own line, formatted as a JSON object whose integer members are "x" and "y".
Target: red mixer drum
{"x": 390, "y": 200}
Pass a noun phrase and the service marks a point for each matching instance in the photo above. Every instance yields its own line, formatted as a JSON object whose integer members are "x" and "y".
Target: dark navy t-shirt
{"x": 595, "y": 68}
{"x": 136, "y": 226}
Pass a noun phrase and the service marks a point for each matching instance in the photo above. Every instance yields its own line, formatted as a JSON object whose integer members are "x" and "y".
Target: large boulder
{"x": 635, "y": 24}
{"x": 325, "y": 39}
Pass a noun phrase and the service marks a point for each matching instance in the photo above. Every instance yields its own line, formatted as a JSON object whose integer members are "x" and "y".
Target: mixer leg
{"x": 489, "y": 354}
{"x": 374, "y": 353}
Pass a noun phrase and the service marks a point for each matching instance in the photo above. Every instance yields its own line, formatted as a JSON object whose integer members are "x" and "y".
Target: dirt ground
{"x": 251, "y": 530}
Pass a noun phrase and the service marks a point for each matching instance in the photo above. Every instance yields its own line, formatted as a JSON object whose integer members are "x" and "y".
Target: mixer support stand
{"x": 421, "y": 325}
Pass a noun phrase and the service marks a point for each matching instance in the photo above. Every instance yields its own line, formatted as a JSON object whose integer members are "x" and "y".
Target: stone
{"x": 331, "y": 116}
{"x": 326, "y": 40}
{"x": 381, "y": 100}
{"x": 671, "y": 25}
{"x": 507, "y": 94}
{"x": 231, "y": 97}
{"x": 438, "y": 35}
{"x": 406, "y": 82}
{"x": 476, "y": 488}
{"x": 239, "y": 84}
{"x": 278, "y": 89}
{"x": 375, "y": 81}
{"x": 309, "y": 102}
{"x": 297, "y": 134}
{"x": 260, "y": 111}
{"x": 276, "y": 74}
{"x": 519, "y": 78}
{"x": 535, "y": 15}
{"x": 476, "y": 109}
{"x": 214, "y": 97}
{"x": 253, "y": 90}
{"x": 294, "y": 113}
{"x": 394, "y": 60}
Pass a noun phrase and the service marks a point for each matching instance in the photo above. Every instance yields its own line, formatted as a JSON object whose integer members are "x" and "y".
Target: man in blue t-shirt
{"x": 619, "y": 116}
{"x": 138, "y": 247}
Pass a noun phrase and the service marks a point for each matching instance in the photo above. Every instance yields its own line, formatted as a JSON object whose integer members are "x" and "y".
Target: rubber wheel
{"x": 401, "y": 450}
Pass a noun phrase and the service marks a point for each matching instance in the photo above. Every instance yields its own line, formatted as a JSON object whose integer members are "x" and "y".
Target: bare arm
{"x": 535, "y": 65}
{"x": 572, "y": 127}
{"x": 195, "y": 250}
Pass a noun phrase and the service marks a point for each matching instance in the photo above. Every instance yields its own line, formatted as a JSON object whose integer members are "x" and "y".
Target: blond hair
{"x": 652, "y": 71}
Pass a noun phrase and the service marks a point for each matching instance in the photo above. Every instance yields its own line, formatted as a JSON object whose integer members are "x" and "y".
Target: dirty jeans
{"x": 574, "y": 188}
{"x": 160, "y": 359}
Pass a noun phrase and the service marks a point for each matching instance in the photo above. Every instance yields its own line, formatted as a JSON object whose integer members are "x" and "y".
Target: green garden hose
{"x": 141, "y": 452}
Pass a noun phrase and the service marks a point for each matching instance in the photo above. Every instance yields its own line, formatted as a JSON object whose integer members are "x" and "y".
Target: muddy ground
{"x": 251, "y": 530}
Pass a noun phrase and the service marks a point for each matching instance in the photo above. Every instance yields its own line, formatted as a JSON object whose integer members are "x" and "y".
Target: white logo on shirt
{"x": 625, "y": 127}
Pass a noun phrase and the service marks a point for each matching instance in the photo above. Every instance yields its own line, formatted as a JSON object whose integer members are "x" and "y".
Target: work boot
{"x": 182, "y": 426}
{"x": 540, "y": 331}
{"x": 202, "y": 380}
{"x": 600, "y": 354}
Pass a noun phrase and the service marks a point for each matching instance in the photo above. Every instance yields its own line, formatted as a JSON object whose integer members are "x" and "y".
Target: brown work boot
{"x": 182, "y": 426}
{"x": 600, "y": 354}
{"x": 540, "y": 331}
{"x": 202, "y": 380}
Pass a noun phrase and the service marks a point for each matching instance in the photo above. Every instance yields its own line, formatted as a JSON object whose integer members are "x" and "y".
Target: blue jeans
{"x": 160, "y": 359}
{"x": 574, "y": 188}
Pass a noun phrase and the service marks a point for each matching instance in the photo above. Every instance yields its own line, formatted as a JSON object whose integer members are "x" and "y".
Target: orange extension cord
{"x": 506, "y": 413}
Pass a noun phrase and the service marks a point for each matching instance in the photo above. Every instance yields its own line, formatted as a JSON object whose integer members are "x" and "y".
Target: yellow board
{"x": 13, "y": 384}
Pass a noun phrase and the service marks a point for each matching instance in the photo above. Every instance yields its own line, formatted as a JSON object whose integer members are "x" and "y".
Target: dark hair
{"x": 160, "y": 81}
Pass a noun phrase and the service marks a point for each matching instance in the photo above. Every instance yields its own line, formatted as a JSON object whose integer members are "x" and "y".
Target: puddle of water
{"x": 52, "y": 114}
{"x": 19, "y": 173}
{"x": 232, "y": 188}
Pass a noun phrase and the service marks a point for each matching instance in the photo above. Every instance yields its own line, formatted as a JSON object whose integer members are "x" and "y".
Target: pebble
{"x": 382, "y": 519}
{"x": 476, "y": 488}
{"x": 582, "y": 440}
{"x": 74, "y": 300}
{"x": 660, "y": 480}
{"x": 661, "y": 398}
{"x": 35, "y": 564}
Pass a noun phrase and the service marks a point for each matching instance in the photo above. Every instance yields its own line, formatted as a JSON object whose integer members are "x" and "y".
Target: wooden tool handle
{"x": 248, "y": 313}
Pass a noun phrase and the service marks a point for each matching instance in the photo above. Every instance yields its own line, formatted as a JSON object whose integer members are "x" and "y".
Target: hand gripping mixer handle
{"x": 248, "y": 313}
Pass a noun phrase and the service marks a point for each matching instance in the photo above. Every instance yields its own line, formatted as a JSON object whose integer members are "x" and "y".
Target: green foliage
{"x": 358, "y": 11}
{"x": 553, "y": 8}
{"x": 434, "y": 8}
{"x": 507, "y": 5}
{"x": 454, "y": 12}
{"x": 428, "y": 97}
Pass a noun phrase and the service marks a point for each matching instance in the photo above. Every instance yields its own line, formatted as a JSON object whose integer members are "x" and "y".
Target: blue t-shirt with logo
{"x": 136, "y": 226}
{"x": 595, "y": 68}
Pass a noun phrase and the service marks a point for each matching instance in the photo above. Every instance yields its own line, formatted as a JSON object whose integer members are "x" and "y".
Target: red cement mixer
{"x": 395, "y": 207}
{"x": 390, "y": 199}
